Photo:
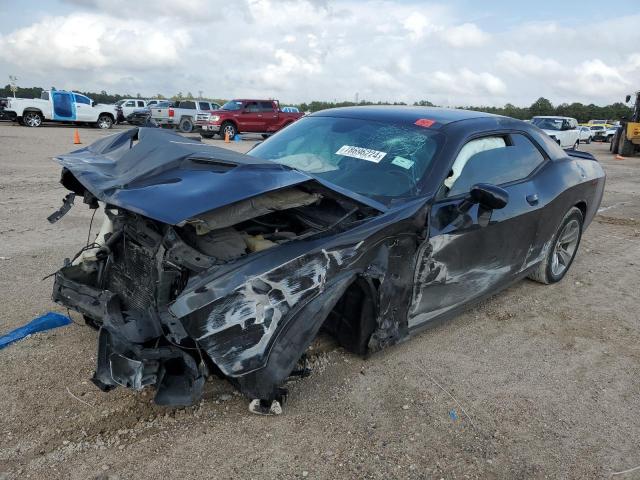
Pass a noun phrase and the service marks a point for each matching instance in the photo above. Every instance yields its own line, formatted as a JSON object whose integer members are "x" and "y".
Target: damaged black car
{"x": 369, "y": 223}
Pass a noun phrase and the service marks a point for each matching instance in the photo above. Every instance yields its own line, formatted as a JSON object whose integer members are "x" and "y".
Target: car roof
{"x": 403, "y": 113}
{"x": 251, "y": 100}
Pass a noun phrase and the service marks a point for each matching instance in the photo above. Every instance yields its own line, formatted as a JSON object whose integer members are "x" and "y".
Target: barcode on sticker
{"x": 361, "y": 153}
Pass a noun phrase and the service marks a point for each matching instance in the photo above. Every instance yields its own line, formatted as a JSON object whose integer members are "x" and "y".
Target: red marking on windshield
{"x": 425, "y": 122}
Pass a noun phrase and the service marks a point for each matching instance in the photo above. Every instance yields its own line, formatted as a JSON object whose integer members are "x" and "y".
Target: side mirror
{"x": 489, "y": 196}
{"x": 627, "y": 99}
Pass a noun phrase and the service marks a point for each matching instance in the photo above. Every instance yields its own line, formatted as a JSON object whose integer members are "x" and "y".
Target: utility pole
{"x": 14, "y": 86}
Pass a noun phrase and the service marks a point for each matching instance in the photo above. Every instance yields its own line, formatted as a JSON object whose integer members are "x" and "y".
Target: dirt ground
{"x": 549, "y": 376}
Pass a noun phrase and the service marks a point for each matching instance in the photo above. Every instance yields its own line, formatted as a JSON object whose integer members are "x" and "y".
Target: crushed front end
{"x": 211, "y": 262}
{"x": 122, "y": 285}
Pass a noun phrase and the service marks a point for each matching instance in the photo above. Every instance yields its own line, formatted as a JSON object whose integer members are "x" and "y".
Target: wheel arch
{"x": 582, "y": 206}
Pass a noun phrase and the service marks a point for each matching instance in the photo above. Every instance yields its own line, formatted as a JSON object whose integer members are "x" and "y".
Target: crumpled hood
{"x": 168, "y": 177}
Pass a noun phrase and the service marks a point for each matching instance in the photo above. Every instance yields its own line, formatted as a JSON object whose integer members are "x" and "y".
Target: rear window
{"x": 188, "y": 104}
{"x": 204, "y": 105}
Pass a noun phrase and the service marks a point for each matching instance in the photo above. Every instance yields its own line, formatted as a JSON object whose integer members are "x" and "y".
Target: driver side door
{"x": 471, "y": 250}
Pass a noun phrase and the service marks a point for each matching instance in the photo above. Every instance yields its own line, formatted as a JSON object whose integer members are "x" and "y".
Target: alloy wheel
{"x": 565, "y": 247}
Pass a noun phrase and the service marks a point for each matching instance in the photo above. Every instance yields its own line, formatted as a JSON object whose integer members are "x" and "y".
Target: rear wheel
{"x": 186, "y": 125}
{"x": 588, "y": 140}
{"x": 31, "y": 119}
{"x": 104, "y": 122}
{"x": 207, "y": 135}
{"x": 562, "y": 251}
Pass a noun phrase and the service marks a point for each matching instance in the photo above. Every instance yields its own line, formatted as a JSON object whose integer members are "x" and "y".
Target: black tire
{"x": 228, "y": 127}
{"x": 626, "y": 147}
{"x": 543, "y": 272}
{"x": 32, "y": 119}
{"x": 576, "y": 145}
{"x": 613, "y": 146}
{"x": 207, "y": 135}
{"x": 588, "y": 140}
{"x": 186, "y": 125}
{"x": 105, "y": 122}
{"x": 265, "y": 136}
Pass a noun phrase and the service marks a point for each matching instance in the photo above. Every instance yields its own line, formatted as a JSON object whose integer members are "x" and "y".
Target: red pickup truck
{"x": 247, "y": 116}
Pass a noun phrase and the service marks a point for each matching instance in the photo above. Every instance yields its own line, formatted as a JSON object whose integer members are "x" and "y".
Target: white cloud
{"x": 593, "y": 77}
{"x": 88, "y": 41}
{"x": 300, "y": 50}
{"x": 527, "y": 64}
{"x": 465, "y": 35}
{"x": 467, "y": 82}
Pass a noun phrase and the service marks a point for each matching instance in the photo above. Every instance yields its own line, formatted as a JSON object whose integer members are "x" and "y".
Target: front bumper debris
{"x": 133, "y": 353}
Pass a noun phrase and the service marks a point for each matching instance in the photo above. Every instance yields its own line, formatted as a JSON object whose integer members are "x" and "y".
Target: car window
{"x": 266, "y": 106}
{"x": 204, "y": 105}
{"x": 140, "y": 103}
{"x": 495, "y": 160}
{"x": 252, "y": 107}
{"x": 232, "y": 105}
{"x": 130, "y": 103}
{"x": 188, "y": 104}
{"x": 82, "y": 99}
{"x": 384, "y": 161}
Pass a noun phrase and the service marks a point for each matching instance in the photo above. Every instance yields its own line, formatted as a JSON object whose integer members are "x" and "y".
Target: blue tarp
{"x": 45, "y": 322}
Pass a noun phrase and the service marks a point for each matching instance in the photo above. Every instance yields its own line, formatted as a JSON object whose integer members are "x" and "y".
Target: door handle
{"x": 532, "y": 199}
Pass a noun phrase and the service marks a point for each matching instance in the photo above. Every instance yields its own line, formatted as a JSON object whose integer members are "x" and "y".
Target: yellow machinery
{"x": 627, "y": 139}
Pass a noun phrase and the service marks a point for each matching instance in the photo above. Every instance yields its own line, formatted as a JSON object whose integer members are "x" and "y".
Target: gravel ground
{"x": 547, "y": 375}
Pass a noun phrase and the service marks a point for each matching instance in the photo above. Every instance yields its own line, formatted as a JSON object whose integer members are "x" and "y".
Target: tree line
{"x": 542, "y": 106}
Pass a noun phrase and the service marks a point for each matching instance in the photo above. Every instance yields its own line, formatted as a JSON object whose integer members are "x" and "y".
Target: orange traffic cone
{"x": 76, "y": 138}
{"x": 226, "y": 137}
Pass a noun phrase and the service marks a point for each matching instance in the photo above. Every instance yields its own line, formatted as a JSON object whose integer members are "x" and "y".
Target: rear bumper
{"x": 133, "y": 353}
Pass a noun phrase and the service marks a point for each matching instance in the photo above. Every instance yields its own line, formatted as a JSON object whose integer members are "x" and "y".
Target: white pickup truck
{"x": 564, "y": 130}
{"x": 60, "y": 106}
{"x": 186, "y": 115}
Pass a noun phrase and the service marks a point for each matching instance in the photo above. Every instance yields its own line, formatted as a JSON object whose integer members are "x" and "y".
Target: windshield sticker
{"x": 362, "y": 153}
{"x": 402, "y": 162}
{"x": 424, "y": 122}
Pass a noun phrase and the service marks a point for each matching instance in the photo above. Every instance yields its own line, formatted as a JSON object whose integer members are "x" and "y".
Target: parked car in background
{"x": 61, "y": 106}
{"x": 4, "y": 114}
{"x": 585, "y": 134}
{"x": 250, "y": 116}
{"x": 141, "y": 116}
{"x": 602, "y": 133}
{"x": 185, "y": 115}
{"x": 600, "y": 122}
{"x": 128, "y": 105}
{"x": 564, "y": 130}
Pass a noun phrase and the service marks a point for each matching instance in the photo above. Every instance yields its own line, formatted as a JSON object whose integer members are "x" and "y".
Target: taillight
{"x": 171, "y": 112}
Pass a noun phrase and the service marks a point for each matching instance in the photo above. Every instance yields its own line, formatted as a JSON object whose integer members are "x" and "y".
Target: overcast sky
{"x": 451, "y": 52}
